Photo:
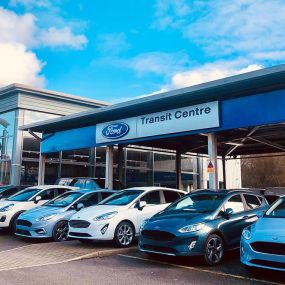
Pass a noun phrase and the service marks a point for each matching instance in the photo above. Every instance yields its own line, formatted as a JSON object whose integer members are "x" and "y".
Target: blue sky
{"x": 118, "y": 50}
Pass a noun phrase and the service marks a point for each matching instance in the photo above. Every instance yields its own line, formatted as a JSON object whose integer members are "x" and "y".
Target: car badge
{"x": 275, "y": 238}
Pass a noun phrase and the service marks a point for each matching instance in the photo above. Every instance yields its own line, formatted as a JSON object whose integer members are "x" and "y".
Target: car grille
{"x": 24, "y": 223}
{"x": 161, "y": 249}
{"x": 267, "y": 263}
{"x": 80, "y": 224}
{"x": 74, "y": 234}
{"x": 269, "y": 247}
{"x": 23, "y": 232}
{"x": 157, "y": 235}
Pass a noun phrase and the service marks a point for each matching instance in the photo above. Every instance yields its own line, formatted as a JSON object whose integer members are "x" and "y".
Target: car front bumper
{"x": 36, "y": 230}
{"x": 252, "y": 258}
{"x": 188, "y": 245}
{"x": 94, "y": 231}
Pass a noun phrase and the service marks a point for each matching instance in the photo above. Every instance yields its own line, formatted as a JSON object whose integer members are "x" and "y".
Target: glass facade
{"x": 140, "y": 167}
{"x": 31, "y": 152}
{"x": 7, "y": 129}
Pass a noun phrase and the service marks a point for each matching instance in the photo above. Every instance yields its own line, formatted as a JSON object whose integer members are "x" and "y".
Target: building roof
{"x": 246, "y": 84}
{"x": 16, "y": 87}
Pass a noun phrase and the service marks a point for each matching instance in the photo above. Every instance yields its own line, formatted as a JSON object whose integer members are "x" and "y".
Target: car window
{"x": 78, "y": 183}
{"x": 10, "y": 191}
{"x": 89, "y": 200}
{"x": 90, "y": 184}
{"x": 152, "y": 198}
{"x": 170, "y": 196}
{"x": 198, "y": 202}
{"x": 48, "y": 194}
{"x": 24, "y": 195}
{"x": 64, "y": 200}
{"x": 235, "y": 203}
{"x": 252, "y": 201}
{"x": 104, "y": 195}
{"x": 61, "y": 191}
{"x": 122, "y": 198}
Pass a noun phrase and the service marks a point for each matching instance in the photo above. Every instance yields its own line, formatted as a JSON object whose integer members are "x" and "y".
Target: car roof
{"x": 85, "y": 191}
{"x": 151, "y": 188}
{"x": 227, "y": 191}
{"x": 42, "y": 187}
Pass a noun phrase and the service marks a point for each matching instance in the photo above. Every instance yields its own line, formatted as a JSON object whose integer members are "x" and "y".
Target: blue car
{"x": 263, "y": 243}
{"x": 51, "y": 219}
{"x": 205, "y": 223}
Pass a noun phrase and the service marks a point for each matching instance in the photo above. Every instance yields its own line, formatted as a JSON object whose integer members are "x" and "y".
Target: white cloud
{"x": 17, "y": 28}
{"x": 64, "y": 37}
{"x": 209, "y": 72}
{"x": 170, "y": 13}
{"x": 23, "y": 29}
{"x": 31, "y": 3}
{"x": 113, "y": 43}
{"x": 19, "y": 65}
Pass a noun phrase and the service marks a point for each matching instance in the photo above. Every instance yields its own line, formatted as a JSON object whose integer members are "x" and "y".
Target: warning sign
{"x": 210, "y": 167}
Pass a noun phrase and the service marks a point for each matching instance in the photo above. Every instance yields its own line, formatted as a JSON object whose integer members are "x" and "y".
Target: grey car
{"x": 51, "y": 219}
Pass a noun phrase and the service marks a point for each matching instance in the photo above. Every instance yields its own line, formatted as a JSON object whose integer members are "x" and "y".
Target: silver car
{"x": 263, "y": 243}
{"x": 51, "y": 219}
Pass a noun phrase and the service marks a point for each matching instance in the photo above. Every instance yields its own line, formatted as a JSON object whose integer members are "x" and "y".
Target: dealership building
{"x": 186, "y": 138}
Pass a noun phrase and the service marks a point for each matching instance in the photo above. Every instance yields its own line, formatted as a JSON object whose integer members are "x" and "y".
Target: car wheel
{"x": 214, "y": 251}
{"x": 60, "y": 231}
{"x": 124, "y": 234}
{"x": 13, "y": 224}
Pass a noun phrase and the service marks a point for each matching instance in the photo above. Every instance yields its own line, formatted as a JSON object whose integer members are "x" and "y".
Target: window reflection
{"x": 7, "y": 127}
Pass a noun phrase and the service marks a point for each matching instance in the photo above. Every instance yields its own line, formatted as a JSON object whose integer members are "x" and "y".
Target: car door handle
{"x": 245, "y": 217}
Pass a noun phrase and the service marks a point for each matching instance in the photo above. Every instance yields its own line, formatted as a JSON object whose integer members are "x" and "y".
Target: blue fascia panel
{"x": 255, "y": 110}
{"x": 69, "y": 140}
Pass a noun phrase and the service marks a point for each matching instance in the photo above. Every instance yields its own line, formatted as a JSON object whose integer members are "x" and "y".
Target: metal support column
{"x": 121, "y": 163}
{"x": 109, "y": 167}
{"x": 213, "y": 160}
{"x": 150, "y": 170}
{"x": 16, "y": 163}
{"x": 178, "y": 170}
{"x": 224, "y": 172}
{"x": 41, "y": 176}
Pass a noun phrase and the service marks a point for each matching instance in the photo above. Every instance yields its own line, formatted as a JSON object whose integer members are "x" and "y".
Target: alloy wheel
{"x": 61, "y": 231}
{"x": 125, "y": 234}
{"x": 214, "y": 250}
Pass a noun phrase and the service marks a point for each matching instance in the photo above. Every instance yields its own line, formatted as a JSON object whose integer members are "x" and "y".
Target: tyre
{"x": 214, "y": 250}
{"x": 13, "y": 223}
{"x": 124, "y": 234}
{"x": 60, "y": 231}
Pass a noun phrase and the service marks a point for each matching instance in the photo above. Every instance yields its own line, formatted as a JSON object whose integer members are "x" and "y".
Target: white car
{"x": 27, "y": 199}
{"x": 119, "y": 216}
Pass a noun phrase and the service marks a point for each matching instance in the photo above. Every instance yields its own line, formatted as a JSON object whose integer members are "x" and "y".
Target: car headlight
{"x": 246, "y": 233}
{"x": 106, "y": 216}
{"x": 192, "y": 228}
{"x": 7, "y": 208}
{"x": 45, "y": 218}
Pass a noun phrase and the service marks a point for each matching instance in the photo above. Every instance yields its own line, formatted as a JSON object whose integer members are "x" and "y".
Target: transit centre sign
{"x": 196, "y": 117}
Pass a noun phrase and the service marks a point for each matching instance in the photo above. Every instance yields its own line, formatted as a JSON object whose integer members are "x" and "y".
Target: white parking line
{"x": 201, "y": 270}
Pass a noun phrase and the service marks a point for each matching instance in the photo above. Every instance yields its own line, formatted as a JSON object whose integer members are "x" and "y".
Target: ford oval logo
{"x": 115, "y": 131}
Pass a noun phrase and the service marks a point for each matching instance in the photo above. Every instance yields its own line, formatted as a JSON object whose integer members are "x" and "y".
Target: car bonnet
{"x": 91, "y": 212}
{"x": 174, "y": 220}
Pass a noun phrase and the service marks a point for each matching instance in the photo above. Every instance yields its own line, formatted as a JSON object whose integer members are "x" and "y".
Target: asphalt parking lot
{"x": 25, "y": 261}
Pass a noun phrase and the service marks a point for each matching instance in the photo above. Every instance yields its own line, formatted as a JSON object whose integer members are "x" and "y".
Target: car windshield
{"x": 122, "y": 198}
{"x": 64, "y": 200}
{"x": 277, "y": 210}
{"x": 199, "y": 202}
{"x": 24, "y": 195}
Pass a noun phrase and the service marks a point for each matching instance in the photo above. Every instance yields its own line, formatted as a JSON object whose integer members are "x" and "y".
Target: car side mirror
{"x": 228, "y": 212}
{"x": 141, "y": 205}
{"x": 79, "y": 206}
{"x": 37, "y": 199}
